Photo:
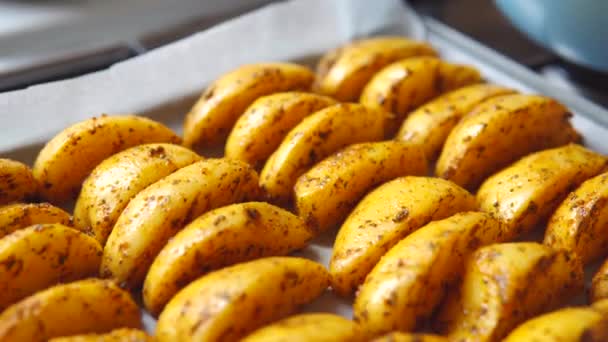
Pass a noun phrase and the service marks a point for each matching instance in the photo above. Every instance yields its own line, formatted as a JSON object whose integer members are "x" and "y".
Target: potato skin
{"x": 34, "y": 258}
{"x": 318, "y": 327}
{"x": 67, "y": 159}
{"x": 81, "y": 307}
{"x": 410, "y": 280}
{"x": 383, "y": 217}
{"x": 404, "y": 85}
{"x": 316, "y": 137}
{"x": 580, "y": 223}
{"x": 327, "y": 193}
{"x": 431, "y": 123}
{"x": 162, "y": 209}
{"x": 525, "y": 194}
{"x": 266, "y": 122}
{"x": 17, "y": 182}
{"x": 599, "y": 284}
{"x": 221, "y": 104}
{"x": 498, "y": 132}
{"x": 405, "y": 337}
{"x": 343, "y": 73}
{"x": 21, "y": 215}
{"x": 228, "y": 304}
{"x": 118, "y": 335}
{"x": 114, "y": 182}
{"x": 505, "y": 284}
{"x": 219, "y": 238}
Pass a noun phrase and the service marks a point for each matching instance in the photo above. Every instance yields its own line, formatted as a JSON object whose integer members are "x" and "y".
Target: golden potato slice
{"x": 505, "y": 284}
{"x": 65, "y": 161}
{"x": 431, "y": 123}
{"x": 385, "y": 216}
{"x": 498, "y": 132}
{"x": 404, "y": 85}
{"x": 34, "y": 258}
{"x": 580, "y": 224}
{"x": 318, "y": 327}
{"x": 219, "y": 238}
{"x": 599, "y": 284}
{"x": 158, "y": 212}
{"x": 343, "y": 72}
{"x": 221, "y": 104}
{"x": 327, "y": 193}
{"x": 21, "y": 215}
{"x": 266, "y": 122}
{"x": 118, "y": 335}
{"x": 316, "y": 137}
{"x": 82, "y": 307}
{"x": 527, "y": 192}
{"x": 228, "y": 304}
{"x": 405, "y": 337}
{"x": 17, "y": 183}
{"x": 409, "y": 282}
{"x": 114, "y": 182}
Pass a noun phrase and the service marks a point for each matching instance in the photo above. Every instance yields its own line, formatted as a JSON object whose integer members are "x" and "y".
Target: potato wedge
{"x": 34, "y": 258}
{"x": 527, "y": 192}
{"x": 327, "y": 193}
{"x": 318, "y": 327}
{"x": 118, "y": 335}
{"x": 114, "y": 182}
{"x": 316, "y": 137}
{"x": 266, "y": 122}
{"x": 405, "y": 337}
{"x": 565, "y": 325}
{"x": 221, "y": 104}
{"x": 228, "y": 304}
{"x": 498, "y": 132}
{"x": 65, "y": 161}
{"x": 21, "y": 215}
{"x": 82, "y": 307}
{"x": 344, "y": 72}
{"x": 219, "y": 238}
{"x": 386, "y": 215}
{"x": 580, "y": 224}
{"x": 431, "y": 123}
{"x": 505, "y": 284}
{"x": 158, "y": 212}
{"x": 599, "y": 284}
{"x": 409, "y": 282}
{"x": 17, "y": 182}
{"x": 404, "y": 85}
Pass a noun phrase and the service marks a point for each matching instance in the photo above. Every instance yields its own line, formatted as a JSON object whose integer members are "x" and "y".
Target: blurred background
{"x": 55, "y": 39}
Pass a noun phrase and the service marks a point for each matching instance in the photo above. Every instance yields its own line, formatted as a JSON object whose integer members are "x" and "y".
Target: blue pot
{"x": 577, "y": 30}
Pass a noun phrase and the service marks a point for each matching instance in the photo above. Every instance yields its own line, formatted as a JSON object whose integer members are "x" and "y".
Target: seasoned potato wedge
{"x": 342, "y": 73}
{"x": 404, "y": 337}
{"x": 327, "y": 193}
{"x": 316, "y": 137}
{"x": 408, "y": 283}
{"x": 65, "y": 161}
{"x": 599, "y": 284}
{"x": 221, "y": 104}
{"x": 266, "y": 122}
{"x": 34, "y": 258}
{"x": 118, "y": 335}
{"x": 565, "y": 325}
{"x": 505, "y": 284}
{"x": 82, "y": 307}
{"x": 222, "y": 237}
{"x": 158, "y": 212}
{"x": 114, "y": 182}
{"x": 498, "y": 132}
{"x": 385, "y": 216}
{"x": 431, "y": 123}
{"x": 228, "y": 304}
{"x": 17, "y": 183}
{"x": 404, "y": 85}
{"x": 318, "y": 327}
{"x": 580, "y": 224}
{"x": 21, "y": 215}
{"x": 527, "y": 192}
